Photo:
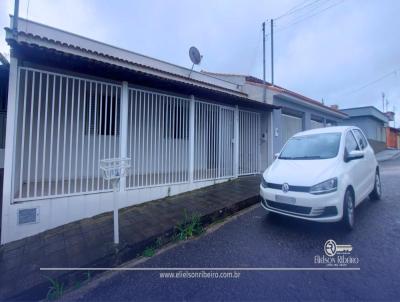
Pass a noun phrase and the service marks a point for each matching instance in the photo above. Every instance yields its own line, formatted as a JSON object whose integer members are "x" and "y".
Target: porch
{"x": 66, "y": 124}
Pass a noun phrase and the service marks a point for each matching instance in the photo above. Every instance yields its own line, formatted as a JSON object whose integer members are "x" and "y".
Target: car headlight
{"x": 327, "y": 186}
{"x": 264, "y": 184}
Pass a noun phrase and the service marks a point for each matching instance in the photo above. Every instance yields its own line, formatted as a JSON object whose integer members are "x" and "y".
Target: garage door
{"x": 316, "y": 124}
{"x": 290, "y": 126}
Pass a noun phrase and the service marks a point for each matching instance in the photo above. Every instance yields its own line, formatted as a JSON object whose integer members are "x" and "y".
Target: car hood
{"x": 301, "y": 172}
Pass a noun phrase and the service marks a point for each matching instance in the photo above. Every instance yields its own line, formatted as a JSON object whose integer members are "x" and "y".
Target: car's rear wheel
{"x": 348, "y": 210}
{"x": 377, "y": 191}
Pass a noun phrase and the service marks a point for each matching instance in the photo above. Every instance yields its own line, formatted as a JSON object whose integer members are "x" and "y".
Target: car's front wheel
{"x": 348, "y": 210}
{"x": 377, "y": 191}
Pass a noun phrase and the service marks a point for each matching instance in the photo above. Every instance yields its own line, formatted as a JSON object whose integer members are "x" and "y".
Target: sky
{"x": 346, "y": 52}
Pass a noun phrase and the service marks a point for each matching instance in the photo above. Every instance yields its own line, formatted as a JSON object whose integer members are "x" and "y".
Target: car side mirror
{"x": 276, "y": 155}
{"x": 355, "y": 154}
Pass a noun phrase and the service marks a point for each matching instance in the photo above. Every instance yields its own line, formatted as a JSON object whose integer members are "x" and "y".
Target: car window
{"x": 351, "y": 143}
{"x": 312, "y": 146}
{"x": 360, "y": 138}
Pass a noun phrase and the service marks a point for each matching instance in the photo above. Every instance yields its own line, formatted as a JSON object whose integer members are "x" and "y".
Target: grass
{"x": 191, "y": 226}
{"x": 149, "y": 251}
{"x": 56, "y": 289}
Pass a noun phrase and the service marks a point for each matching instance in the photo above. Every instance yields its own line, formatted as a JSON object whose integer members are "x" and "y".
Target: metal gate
{"x": 65, "y": 124}
{"x": 158, "y": 139}
{"x": 213, "y": 141}
{"x": 249, "y": 142}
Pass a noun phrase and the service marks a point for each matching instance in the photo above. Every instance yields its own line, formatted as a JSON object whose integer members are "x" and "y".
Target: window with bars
{"x": 178, "y": 128}
{"x": 103, "y": 113}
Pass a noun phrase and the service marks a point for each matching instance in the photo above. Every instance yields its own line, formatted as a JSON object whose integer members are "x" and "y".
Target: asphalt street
{"x": 257, "y": 240}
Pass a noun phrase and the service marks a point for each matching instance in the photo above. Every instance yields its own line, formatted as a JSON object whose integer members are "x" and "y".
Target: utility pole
{"x": 16, "y": 16}
{"x": 272, "y": 51}
{"x": 265, "y": 88}
{"x": 383, "y": 102}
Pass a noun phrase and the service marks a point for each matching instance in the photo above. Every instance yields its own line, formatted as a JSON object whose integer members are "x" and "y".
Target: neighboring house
{"x": 73, "y": 101}
{"x": 393, "y": 137}
{"x": 373, "y": 123}
{"x": 297, "y": 113}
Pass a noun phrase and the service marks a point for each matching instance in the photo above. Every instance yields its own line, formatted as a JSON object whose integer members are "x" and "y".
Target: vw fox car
{"x": 322, "y": 175}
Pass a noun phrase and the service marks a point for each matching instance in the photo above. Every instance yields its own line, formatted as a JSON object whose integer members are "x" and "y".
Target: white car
{"x": 322, "y": 175}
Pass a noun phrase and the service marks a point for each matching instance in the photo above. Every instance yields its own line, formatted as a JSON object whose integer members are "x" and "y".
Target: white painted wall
{"x": 58, "y": 211}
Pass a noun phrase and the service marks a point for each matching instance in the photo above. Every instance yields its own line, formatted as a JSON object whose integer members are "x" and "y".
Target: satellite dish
{"x": 194, "y": 55}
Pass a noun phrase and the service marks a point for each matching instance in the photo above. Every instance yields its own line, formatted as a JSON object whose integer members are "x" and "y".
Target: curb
{"x": 127, "y": 252}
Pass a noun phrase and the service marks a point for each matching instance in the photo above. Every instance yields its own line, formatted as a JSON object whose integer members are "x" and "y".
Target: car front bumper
{"x": 322, "y": 208}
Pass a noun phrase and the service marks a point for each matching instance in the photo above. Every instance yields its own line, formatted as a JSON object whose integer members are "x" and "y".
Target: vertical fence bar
{"x": 70, "y": 134}
{"x": 89, "y": 135}
{"x": 65, "y": 135}
{"x": 163, "y": 122}
{"x": 138, "y": 148}
{"x": 28, "y": 180}
{"x": 58, "y": 133}
{"x": 131, "y": 132}
{"x": 52, "y": 134}
{"x": 150, "y": 159}
{"x": 135, "y": 129}
{"x": 83, "y": 132}
{"x": 191, "y": 138}
{"x": 109, "y": 133}
{"x": 21, "y": 176}
{"x": 114, "y": 107}
{"x": 77, "y": 136}
{"x": 94, "y": 164}
{"x": 37, "y": 133}
{"x": 101, "y": 135}
{"x": 236, "y": 142}
{"x": 145, "y": 136}
{"x": 169, "y": 139}
{"x": 45, "y": 133}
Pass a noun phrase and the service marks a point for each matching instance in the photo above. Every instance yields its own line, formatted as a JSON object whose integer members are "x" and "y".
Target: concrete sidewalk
{"x": 387, "y": 154}
{"x": 89, "y": 242}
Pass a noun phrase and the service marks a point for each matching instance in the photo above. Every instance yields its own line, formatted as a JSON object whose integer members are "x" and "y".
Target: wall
{"x": 372, "y": 128}
{"x": 377, "y": 146}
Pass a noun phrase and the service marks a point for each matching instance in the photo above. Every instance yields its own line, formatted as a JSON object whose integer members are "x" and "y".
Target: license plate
{"x": 285, "y": 199}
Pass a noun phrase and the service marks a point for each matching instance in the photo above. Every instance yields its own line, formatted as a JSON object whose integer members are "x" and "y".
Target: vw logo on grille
{"x": 285, "y": 188}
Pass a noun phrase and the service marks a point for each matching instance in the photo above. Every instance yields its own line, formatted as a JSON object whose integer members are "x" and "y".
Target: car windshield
{"x": 313, "y": 146}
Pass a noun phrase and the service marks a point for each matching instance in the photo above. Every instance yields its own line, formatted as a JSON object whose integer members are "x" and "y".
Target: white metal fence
{"x": 249, "y": 142}
{"x": 64, "y": 126}
{"x": 213, "y": 141}
{"x": 158, "y": 139}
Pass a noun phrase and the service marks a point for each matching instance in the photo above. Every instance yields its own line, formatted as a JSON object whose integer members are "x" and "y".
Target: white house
{"x": 73, "y": 101}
